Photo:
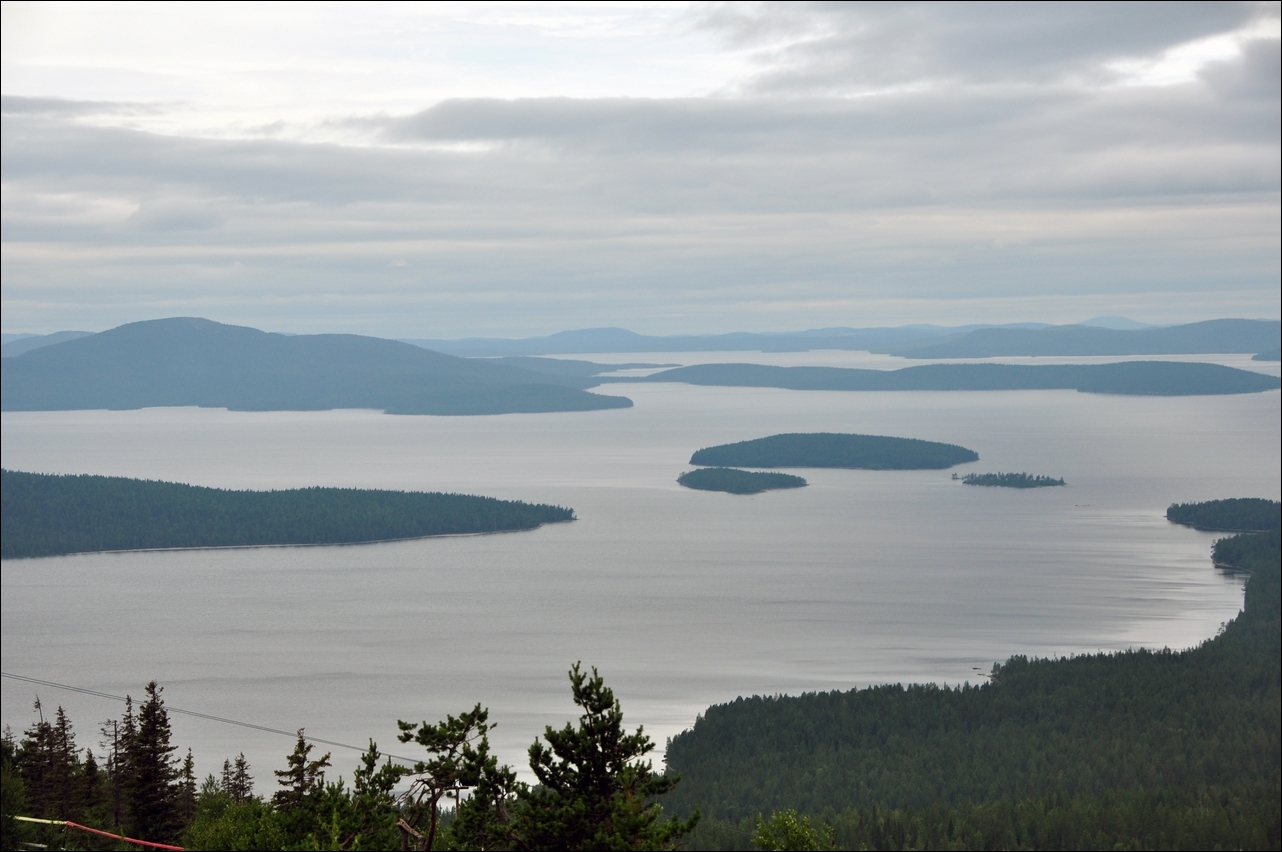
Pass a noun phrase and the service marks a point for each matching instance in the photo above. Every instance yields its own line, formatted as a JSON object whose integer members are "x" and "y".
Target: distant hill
{"x": 1212, "y": 336}
{"x": 35, "y": 341}
{"x": 1134, "y": 378}
{"x": 622, "y": 340}
{"x": 186, "y": 361}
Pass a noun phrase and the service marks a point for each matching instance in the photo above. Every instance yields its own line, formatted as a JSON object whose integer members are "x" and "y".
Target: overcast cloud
{"x": 445, "y": 171}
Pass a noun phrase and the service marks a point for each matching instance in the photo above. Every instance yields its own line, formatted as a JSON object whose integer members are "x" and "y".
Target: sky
{"x": 509, "y": 169}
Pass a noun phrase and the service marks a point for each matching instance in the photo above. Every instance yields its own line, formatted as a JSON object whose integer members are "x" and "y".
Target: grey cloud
{"x": 839, "y": 47}
{"x": 64, "y": 108}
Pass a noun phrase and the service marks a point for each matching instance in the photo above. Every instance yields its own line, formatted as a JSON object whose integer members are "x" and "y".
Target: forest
{"x": 1141, "y": 749}
{"x": 831, "y": 449}
{"x": 1010, "y": 480}
{"x": 593, "y": 789}
{"x": 738, "y": 481}
{"x": 1239, "y": 514}
{"x": 46, "y": 515}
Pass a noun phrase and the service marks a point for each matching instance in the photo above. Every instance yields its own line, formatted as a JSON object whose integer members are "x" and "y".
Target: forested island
{"x": 46, "y": 515}
{"x": 1010, "y": 480}
{"x": 738, "y": 481}
{"x": 1130, "y": 378}
{"x": 834, "y": 449}
{"x": 1141, "y": 749}
{"x": 1240, "y": 514}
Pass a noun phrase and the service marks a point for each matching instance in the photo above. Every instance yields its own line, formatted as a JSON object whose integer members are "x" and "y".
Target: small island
{"x": 1009, "y": 480}
{"x": 1241, "y": 514}
{"x": 46, "y": 515}
{"x": 832, "y": 449}
{"x": 738, "y": 481}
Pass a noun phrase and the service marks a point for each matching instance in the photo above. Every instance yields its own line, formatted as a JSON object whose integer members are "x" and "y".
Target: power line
{"x": 193, "y": 713}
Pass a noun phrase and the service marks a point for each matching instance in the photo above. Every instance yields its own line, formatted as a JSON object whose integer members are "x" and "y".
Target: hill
{"x": 186, "y": 361}
{"x": 830, "y": 449}
{"x": 1136, "y": 378}
{"x": 44, "y": 515}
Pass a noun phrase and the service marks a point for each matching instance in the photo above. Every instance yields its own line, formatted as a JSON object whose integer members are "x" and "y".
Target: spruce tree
{"x": 303, "y": 779}
{"x": 153, "y": 791}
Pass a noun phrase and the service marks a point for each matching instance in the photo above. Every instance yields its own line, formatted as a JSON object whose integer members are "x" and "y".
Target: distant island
{"x": 187, "y": 361}
{"x": 738, "y": 481}
{"x": 919, "y": 341}
{"x": 1240, "y": 514}
{"x": 831, "y": 449}
{"x": 1009, "y": 480}
{"x": 46, "y": 515}
{"x": 1130, "y": 378}
{"x": 1210, "y": 336}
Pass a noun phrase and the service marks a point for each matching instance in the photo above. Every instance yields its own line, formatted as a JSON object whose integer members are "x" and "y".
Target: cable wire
{"x": 193, "y": 713}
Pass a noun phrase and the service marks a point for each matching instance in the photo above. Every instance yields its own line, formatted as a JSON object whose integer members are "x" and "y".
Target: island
{"x": 48, "y": 515}
{"x": 738, "y": 481}
{"x": 833, "y": 449}
{"x": 188, "y": 361}
{"x": 1009, "y": 480}
{"x": 1126, "y": 378}
{"x": 1240, "y": 514}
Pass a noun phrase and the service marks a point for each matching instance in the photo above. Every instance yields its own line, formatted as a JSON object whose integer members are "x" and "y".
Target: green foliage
{"x": 829, "y": 449}
{"x": 45, "y": 515}
{"x": 1151, "y": 748}
{"x": 1241, "y": 514}
{"x": 1010, "y": 480}
{"x": 738, "y": 481}
{"x": 460, "y": 759}
{"x": 786, "y": 831}
{"x": 594, "y": 791}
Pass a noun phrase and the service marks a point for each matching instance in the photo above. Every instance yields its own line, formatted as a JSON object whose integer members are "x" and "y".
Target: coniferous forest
{"x": 1241, "y": 514}
{"x": 1146, "y": 749}
{"x": 46, "y": 515}
{"x": 738, "y": 481}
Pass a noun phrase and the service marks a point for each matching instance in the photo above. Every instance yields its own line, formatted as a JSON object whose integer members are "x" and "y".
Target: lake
{"x": 682, "y": 598}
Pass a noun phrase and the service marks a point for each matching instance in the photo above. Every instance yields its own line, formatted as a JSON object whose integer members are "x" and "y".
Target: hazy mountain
{"x": 186, "y": 361}
{"x": 1119, "y": 323}
{"x": 27, "y": 342}
{"x": 1138, "y": 378}
{"x": 1210, "y": 337}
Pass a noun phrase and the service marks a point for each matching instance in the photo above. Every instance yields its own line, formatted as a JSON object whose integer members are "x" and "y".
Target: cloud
{"x": 840, "y": 48}
{"x": 886, "y": 164}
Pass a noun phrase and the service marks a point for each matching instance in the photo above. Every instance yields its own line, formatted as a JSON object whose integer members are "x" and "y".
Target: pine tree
{"x": 460, "y": 753}
{"x": 593, "y": 787}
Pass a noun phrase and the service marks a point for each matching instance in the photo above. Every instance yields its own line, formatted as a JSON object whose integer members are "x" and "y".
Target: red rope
{"x": 146, "y": 843}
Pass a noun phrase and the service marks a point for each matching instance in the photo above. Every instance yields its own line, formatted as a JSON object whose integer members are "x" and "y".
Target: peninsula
{"x": 831, "y": 449}
{"x": 1240, "y": 514}
{"x": 46, "y": 515}
{"x": 738, "y": 481}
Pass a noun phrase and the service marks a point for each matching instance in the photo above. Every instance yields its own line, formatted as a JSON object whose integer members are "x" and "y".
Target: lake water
{"x": 681, "y": 598}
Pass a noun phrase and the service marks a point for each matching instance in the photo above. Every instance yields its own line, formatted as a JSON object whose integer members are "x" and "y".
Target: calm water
{"x": 682, "y": 598}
